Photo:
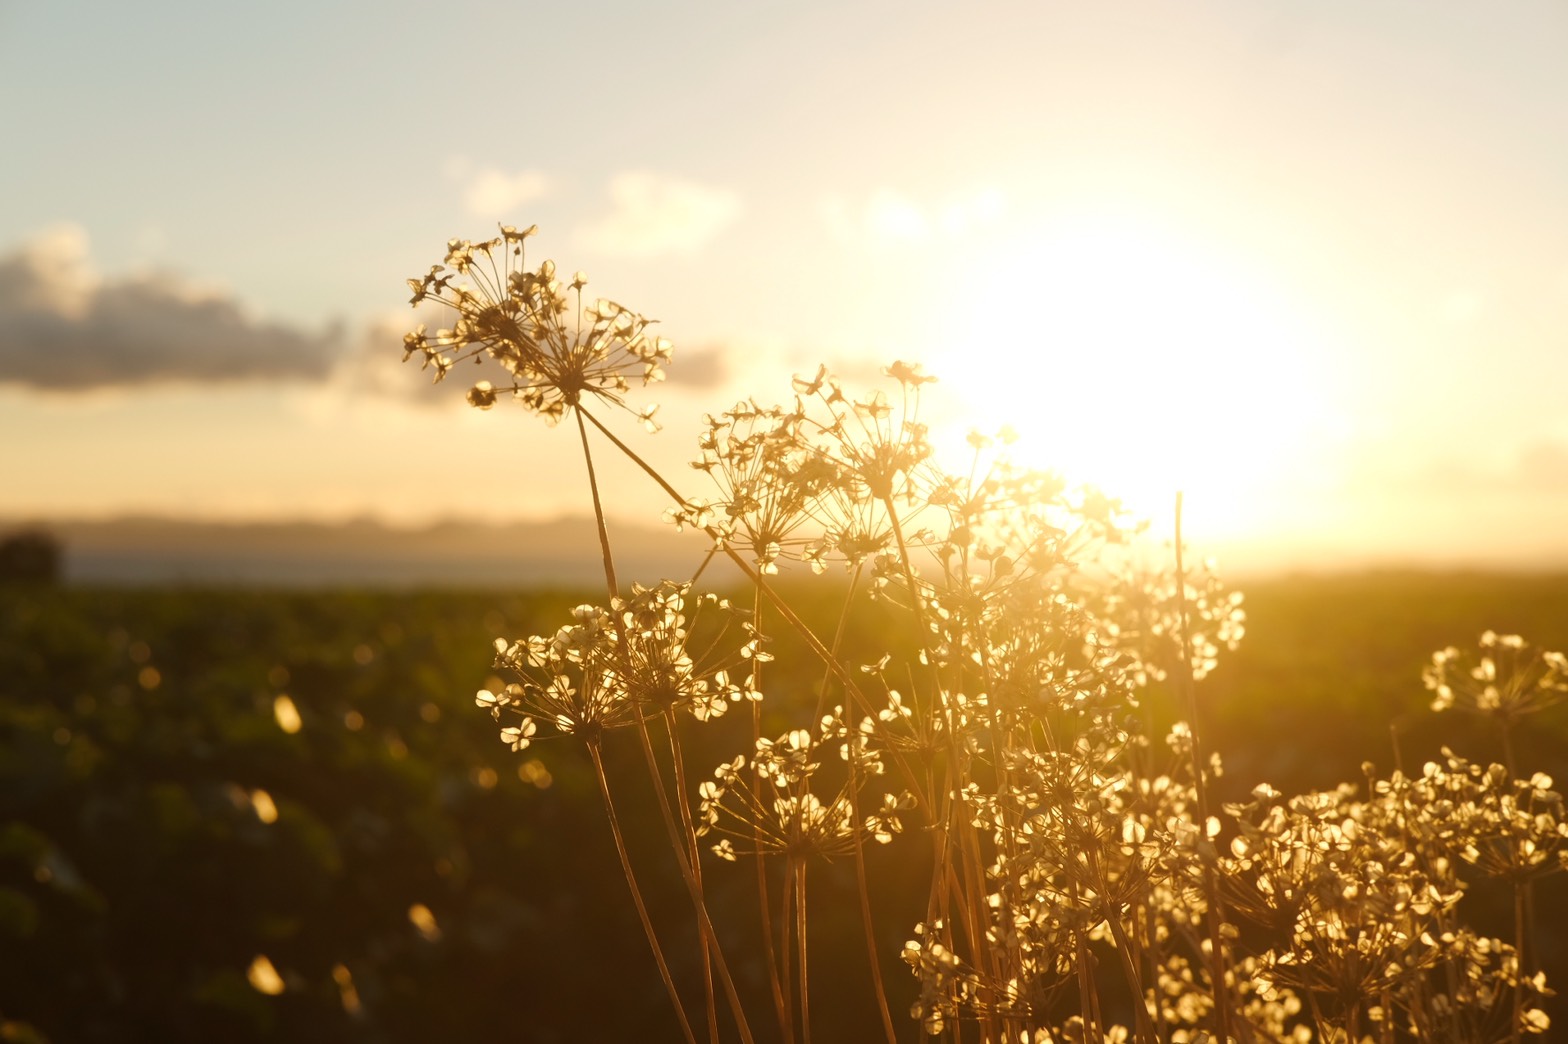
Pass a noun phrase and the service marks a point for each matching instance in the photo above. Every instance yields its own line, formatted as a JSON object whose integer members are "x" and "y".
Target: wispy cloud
{"x": 65, "y": 327}
{"x": 889, "y": 217}
{"x": 368, "y": 372}
{"x": 495, "y": 194}
{"x": 652, "y": 214}
{"x": 703, "y": 367}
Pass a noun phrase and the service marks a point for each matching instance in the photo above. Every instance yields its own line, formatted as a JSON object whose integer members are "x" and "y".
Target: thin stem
{"x": 1218, "y": 979}
{"x": 1520, "y": 923}
{"x": 598, "y": 513}
{"x": 1524, "y": 892}
{"x": 1085, "y": 985}
{"x": 799, "y": 873}
{"x": 631, "y": 883}
{"x": 696, "y": 866}
{"x": 865, "y": 906}
{"x": 1156, "y": 969}
{"x": 781, "y": 1006}
{"x": 968, "y": 845}
{"x": 786, "y": 923}
{"x": 710, "y": 939}
{"x": 1145, "y": 1029}
{"x": 838, "y": 638}
{"x": 693, "y": 886}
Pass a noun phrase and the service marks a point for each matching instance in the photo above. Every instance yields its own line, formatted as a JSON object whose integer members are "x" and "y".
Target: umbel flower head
{"x": 782, "y": 816}
{"x": 1506, "y": 678}
{"x": 607, "y": 667}
{"x": 555, "y": 347}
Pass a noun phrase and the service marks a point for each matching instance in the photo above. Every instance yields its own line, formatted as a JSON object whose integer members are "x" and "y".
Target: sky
{"x": 1307, "y": 262}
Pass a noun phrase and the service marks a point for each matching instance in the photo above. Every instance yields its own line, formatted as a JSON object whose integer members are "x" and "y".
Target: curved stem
{"x": 631, "y": 883}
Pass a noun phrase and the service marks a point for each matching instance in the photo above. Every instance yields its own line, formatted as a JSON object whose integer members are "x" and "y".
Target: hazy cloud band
{"x": 63, "y": 327}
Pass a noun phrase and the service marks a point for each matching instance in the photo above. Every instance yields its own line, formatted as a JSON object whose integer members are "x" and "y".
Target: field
{"x": 165, "y": 820}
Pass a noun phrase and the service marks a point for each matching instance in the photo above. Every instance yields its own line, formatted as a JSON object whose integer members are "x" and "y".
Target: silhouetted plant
{"x": 1004, "y": 727}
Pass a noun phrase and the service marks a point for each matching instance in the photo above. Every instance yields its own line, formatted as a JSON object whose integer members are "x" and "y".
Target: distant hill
{"x": 363, "y": 552}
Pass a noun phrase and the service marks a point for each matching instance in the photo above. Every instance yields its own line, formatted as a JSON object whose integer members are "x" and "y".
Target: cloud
{"x": 494, "y": 195}
{"x": 63, "y": 327}
{"x": 891, "y": 218}
{"x": 701, "y": 368}
{"x": 368, "y": 370}
{"x": 652, "y": 214}
{"x": 1544, "y": 466}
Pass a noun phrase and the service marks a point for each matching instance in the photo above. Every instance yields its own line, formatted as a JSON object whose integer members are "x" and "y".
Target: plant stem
{"x": 1520, "y": 923}
{"x": 598, "y": 514}
{"x": 781, "y": 1006}
{"x": 798, "y": 867}
{"x": 1113, "y": 918}
{"x": 631, "y": 883}
{"x": 696, "y": 866}
{"x": 710, "y": 939}
{"x": 1216, "y": 911}
{"x": 865, "y": 905}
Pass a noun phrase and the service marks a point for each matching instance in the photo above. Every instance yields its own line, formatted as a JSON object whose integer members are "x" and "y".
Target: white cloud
{"x": 971, "y": 210}
{"x": 652, "y": 214}
{"x": 894, "y": 217}
{"x": 890, "y": 218}
{"x": 64, "y": 327}
{"x": 493, "y": 194}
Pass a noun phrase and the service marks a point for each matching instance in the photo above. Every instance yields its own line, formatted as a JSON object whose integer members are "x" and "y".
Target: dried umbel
{"x": 608, "y": 667}
{"x": 555, "y": 348}
{"x": 780, "y": 814}
{"x": 1505, "y": 678}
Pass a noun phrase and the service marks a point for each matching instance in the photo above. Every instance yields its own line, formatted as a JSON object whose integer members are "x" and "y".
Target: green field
{"x": 140, "y": 878}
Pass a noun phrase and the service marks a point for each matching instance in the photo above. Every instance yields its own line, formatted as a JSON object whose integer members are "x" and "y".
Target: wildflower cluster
{"x": 1002, "y": 724}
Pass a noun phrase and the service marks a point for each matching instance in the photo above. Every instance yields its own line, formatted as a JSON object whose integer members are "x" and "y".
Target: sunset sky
{"x": 1306, "y": 261}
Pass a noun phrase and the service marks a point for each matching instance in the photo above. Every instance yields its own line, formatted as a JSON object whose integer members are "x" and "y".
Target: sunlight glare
{"x": 1142, "y": 364}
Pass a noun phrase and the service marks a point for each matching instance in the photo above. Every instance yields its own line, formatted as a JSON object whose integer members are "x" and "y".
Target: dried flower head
{"x": 1506, "y": 678}
{"x": 556, "y": 347}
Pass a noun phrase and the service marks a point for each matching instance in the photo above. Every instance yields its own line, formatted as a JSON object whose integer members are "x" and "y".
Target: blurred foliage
{"x": 29, "y": 557}
{"x": 161, "y": 828}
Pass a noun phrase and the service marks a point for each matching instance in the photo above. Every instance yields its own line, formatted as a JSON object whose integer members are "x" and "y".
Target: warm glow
{"x": 263, "y": 977}
{"x": 286, "y": 714}
{"x": 1143, "y": 364}
{"x": 424, "y": 922}
{"x": 266, "y": 809}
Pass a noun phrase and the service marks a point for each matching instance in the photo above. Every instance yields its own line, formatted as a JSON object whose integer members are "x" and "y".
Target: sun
{"x": 1144, "y": 364}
